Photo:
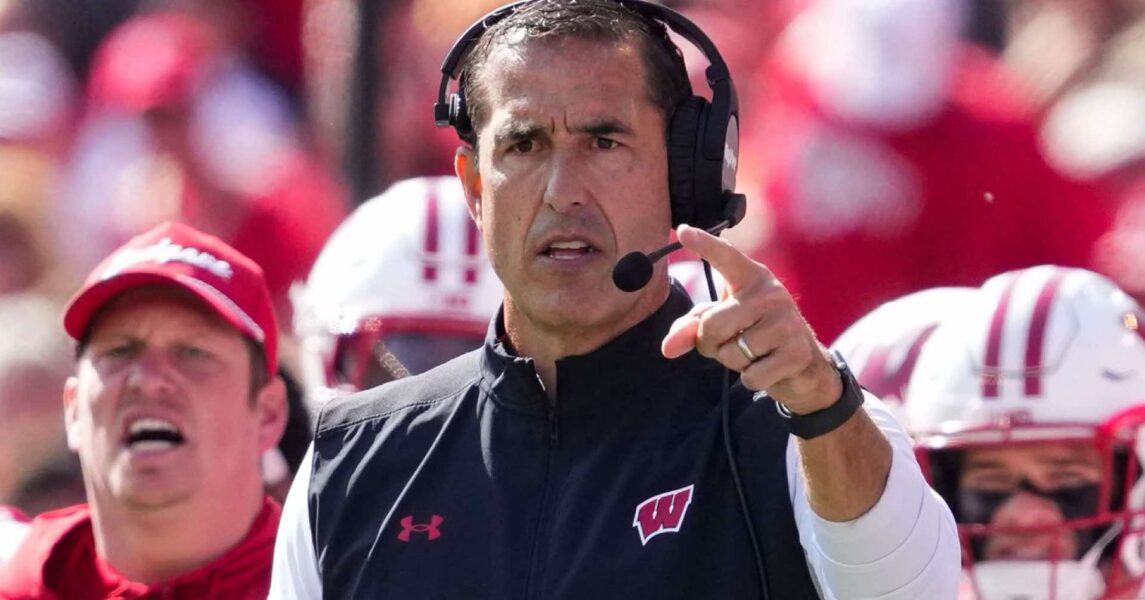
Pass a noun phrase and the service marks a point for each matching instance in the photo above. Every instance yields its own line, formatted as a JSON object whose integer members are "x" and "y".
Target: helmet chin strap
{"x": 1092, "y": 557}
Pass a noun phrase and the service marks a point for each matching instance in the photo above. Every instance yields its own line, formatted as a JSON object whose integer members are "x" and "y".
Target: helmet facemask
{"x": 1045, "y": 366}
{"x": 1064, "y": 539}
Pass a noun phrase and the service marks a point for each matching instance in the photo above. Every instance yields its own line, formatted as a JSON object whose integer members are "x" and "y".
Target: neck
{"x": 149, "y": 546}
{"x": 546, "y": 343}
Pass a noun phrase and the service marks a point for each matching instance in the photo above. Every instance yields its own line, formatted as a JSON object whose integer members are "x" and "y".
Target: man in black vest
{"x": 592, "y": 447}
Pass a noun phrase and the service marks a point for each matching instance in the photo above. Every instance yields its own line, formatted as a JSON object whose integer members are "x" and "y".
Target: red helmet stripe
{"x": 990, "y": 366}
{"x": 429, "y": 267}
{"x": 1037, "y": 337}
{"x": 472, "y": 239}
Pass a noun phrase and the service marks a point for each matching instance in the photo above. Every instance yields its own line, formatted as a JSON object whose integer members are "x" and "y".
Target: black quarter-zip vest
{"x": 466, "y": 482}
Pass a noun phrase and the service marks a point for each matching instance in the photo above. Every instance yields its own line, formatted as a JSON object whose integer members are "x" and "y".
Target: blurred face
{"x": 572, "y": 174}
{"x": 882, "y": 63}
{"x": 160, "y": 410}
{"x": 1036, "y": 486}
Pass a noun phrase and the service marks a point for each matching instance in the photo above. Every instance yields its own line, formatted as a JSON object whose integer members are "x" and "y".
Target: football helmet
{"x": 1045, "y": 357}
{"x": 401, "y": 286}
{"x": 882, "y": 347}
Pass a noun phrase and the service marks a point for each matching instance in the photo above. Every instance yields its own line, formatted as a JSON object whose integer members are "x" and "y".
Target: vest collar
{"x": 623, "y": 374}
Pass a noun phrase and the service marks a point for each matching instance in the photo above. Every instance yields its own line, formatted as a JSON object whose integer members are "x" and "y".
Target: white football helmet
{"x": 401, "y": 286}
{"x": 1041, "y": 356}
{"x": 882, "y": 347}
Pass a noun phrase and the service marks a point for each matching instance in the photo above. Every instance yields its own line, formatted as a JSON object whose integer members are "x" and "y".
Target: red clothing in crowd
{"x": 277, "y": 42}
{"x": 1120, "y": 252}
{"x": 58, "y": 560}
{"x": 282, "y": 226}
{"x": 202, "y": 122}
{"x": 863, "y": 216}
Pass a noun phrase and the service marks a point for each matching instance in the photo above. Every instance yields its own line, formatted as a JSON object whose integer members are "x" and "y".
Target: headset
{"x": 703, "y": 136}
{"x": 703, "y": 147}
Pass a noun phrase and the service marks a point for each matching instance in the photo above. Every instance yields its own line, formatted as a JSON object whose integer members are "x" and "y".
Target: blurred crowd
{"x": 888, "y": 146}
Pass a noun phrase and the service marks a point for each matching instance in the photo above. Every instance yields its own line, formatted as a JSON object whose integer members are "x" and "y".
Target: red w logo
{"x": 430, "y": 529}
{"x": 885, "y": 380}
{"x": 662, "y": 513}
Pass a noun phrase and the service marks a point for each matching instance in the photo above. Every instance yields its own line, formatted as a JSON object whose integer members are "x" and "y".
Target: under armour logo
{"x": 430, "y": 529}
{"x": 662, "y": 513}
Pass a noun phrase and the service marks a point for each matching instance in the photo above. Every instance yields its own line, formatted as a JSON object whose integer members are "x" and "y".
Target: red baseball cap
{"x": 175, "y": 254}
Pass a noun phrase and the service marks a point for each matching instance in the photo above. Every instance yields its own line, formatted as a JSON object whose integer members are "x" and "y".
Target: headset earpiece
{"x": 683, "y": 142}
{"x": 459, "y": 116}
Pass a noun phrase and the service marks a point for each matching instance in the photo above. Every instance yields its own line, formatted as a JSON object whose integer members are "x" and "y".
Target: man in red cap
{"x": 173, "y": 401}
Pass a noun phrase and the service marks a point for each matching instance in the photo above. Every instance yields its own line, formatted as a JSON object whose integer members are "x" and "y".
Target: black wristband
{"x": 820, "y": 422}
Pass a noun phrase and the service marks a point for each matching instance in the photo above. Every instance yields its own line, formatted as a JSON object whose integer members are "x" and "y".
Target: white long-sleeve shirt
{"x": 905, "y": 547}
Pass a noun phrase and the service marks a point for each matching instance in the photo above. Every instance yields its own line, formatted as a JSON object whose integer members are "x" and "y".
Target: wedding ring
{"x": 747, "y": 353}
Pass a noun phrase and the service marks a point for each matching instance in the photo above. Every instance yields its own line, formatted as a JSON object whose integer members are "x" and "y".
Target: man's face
{"x": 572, "y": 175}
{"x": 1039, "y": 486}
{"x": 160, "y": 411}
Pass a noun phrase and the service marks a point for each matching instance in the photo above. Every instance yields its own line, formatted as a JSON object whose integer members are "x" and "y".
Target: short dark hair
{"x": 593, "y": 20}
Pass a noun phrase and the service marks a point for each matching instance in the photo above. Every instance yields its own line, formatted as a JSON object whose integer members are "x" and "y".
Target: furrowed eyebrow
{"x": 516, "y": 133}
{"x": 605, "y": 127}
{"x": 115, "y": 337}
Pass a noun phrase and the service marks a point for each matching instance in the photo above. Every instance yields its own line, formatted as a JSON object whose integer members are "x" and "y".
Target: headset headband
{"x": 716, "y": 73}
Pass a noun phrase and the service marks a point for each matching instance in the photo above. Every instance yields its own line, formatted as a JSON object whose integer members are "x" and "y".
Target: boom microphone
{"x": 634, "y": 270}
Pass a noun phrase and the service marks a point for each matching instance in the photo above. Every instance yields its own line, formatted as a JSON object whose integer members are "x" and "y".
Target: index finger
{"x": 737, "y": 268}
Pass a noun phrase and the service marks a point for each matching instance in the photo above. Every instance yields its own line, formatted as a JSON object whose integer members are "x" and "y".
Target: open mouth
{"x": 152, "y": 434}
{"x": 569, "y": 250}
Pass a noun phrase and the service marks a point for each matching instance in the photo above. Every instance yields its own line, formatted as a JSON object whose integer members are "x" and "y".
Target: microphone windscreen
{"x": 633, "y": 272}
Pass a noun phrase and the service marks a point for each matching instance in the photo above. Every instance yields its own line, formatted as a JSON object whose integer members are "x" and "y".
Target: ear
{"x": 71, "y": 418}
{"x": 465, "y": 165}
{"x": 271, "y": 409}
